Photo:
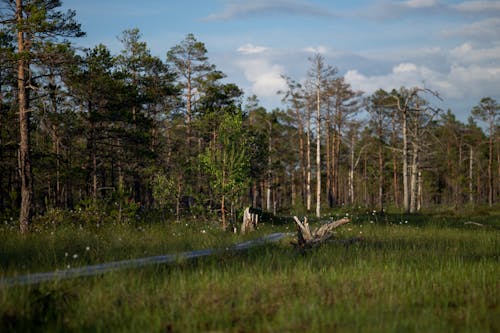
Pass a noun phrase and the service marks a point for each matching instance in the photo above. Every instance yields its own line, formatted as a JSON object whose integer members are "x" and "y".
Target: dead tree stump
{"x": 250, "y": 221}
{"x": 306, "y": 238}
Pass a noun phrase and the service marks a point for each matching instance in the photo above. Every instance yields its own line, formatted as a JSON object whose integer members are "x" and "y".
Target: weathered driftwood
{"x": 250, "y": 221}
{"x": 306, "y": 238}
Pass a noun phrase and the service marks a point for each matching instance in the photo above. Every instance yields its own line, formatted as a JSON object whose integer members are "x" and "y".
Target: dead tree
{"x": 306, "y": 238}
{"x": 250, "y": 221}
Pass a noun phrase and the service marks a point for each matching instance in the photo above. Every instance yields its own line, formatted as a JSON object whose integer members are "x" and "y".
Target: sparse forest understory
{"x": 82, "y": 129}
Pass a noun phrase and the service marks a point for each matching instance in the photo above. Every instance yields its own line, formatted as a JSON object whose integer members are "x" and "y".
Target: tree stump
{"x": 306, "y": 238}
{"x": 250, "y": 221}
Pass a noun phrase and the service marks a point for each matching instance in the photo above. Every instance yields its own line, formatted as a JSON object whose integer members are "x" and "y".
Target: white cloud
{"x": 251, "y": 49}
{"x": 243, "y": 8}
{"x": 486, "y": 29}
{"x": 459, "y": 81}
{"x": 467, "y": 54}
{"x": 405, "y": 68}
{"x": 420, "y": 3}
{"x": 318, "y": 49}
{"x": 478, "y": 6}
{"x": 264, "y": 76}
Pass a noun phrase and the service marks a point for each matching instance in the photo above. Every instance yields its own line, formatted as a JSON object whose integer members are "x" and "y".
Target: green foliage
{"x": 164, "y": 190}
{"x": 226, "y": 160}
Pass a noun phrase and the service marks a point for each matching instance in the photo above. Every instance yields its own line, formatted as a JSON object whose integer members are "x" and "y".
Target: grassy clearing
{"x": 431, "y": 274}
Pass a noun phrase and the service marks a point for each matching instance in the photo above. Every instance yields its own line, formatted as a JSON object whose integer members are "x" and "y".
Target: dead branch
{"x": 306, "y": 238}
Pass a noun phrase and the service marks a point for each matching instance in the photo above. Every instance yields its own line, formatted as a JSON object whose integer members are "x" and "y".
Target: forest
{"x": 131, "y": 132}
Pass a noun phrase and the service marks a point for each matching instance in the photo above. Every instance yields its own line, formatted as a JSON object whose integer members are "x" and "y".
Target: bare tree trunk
{"x": 25, "y": 212}
{"x": 308, "y": 181}
{"x": 328, "y": 161}
{"x": 350, "y": 180}
{"x": 301, "y": 156}
{"x": 269, "y": 170}
{"x": 318, "y": 151}
{"x": 332, "y": 196}
{"x": 406, "y": 194}
{"x": 93, "y": 152}
{"x": 471, "y": 175}
{"x": 223, "y": 212}
{"x": 380, "y": 179}
{"x": 395, "y": 184}
{"x": 490, "y": 169}
{"x": 420, "y": 191}
{"x": 414, "y": 179}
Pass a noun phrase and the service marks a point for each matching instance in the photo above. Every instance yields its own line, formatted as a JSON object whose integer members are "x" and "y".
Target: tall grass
{"x": 430, "y": 274}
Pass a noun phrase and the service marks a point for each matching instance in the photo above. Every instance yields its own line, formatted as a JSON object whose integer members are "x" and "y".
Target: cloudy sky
{"x": 449, "y": 46}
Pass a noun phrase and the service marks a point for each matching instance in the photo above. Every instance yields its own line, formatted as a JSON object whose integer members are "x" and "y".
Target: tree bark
{"x": 25, "y": 212}
{"x": 471, "y": 175}
{"x": 318, "y": 148}
{"x": 406, "y": 194}
{"x": 308, "y": 180}
{"x": 414, "y": 179}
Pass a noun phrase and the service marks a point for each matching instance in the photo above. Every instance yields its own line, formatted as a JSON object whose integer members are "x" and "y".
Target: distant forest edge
{"x": 82, "y": 129}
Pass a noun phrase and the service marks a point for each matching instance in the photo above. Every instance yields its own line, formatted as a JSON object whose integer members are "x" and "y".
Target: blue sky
{"x": 449, "y": 46}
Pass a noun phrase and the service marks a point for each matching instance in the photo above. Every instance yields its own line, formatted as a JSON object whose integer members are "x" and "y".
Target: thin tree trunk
{"x": 414, "y": 179}
{"x": 318, "y": 152}
{"x": 420, "y": 191}
{"x": 308, "y": 181}
{"x": 490, "y": 169}
{"x": 406, "y": 194}
{"x": 328, "y": 160}
{"x": 24, "y": 148}
{"x": 351, "y": 174}
{"x": 380, "y": 178}
{"x": 471, "y": 174}
{"x": 269, "y": 171}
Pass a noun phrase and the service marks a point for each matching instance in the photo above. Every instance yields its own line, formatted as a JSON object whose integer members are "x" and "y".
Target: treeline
{"x": 82, "y": 128}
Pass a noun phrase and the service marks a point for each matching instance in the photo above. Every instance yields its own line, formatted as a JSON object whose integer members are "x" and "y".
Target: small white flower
{"x": 75, "y": 256}
{"x": 65, "y": 254}
{"x": 203, "y": 231}
{"x": 87, "y": 248}
{"x": 68, "y": 266}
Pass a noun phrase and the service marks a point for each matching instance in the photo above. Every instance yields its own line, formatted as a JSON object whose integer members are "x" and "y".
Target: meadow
{"x": 434, "y": 272}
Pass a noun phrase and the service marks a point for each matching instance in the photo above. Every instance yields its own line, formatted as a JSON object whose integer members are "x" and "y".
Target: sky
{"x": 452, "y": 47}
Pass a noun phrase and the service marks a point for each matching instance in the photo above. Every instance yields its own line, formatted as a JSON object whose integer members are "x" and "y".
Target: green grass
{"x": 432, "y": 274}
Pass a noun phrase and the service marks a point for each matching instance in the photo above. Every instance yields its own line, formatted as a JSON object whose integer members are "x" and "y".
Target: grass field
{"x": 422, "y": 273}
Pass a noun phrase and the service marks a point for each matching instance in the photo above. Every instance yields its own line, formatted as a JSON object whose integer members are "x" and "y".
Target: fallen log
{"x": 307, "y": 238}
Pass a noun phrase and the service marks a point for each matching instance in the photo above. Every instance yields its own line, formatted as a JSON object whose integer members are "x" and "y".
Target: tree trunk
{"x": 406, "y": 193}
{"x": 490, "y": 168}
{"x": 308, "y": 180}
{"x": 350, "y": 180}
{"x": 24, "y": 148}
{"x": 318, "y": 152}
{"x": 471, "y": 175}
{"x": 414, "y": 180}
{"x": 420, "y": 184}
{"x": 269, "y": 170}
{"x": 380, "y": 179}
{"x": 223, "y": 212}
